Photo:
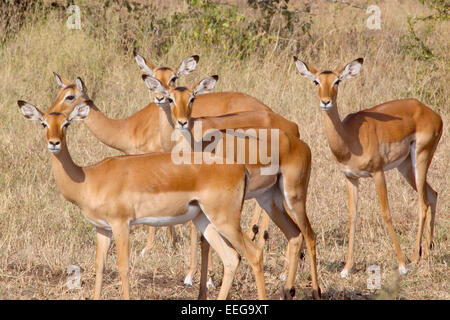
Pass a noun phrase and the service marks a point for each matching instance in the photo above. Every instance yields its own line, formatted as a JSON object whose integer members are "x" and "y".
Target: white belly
{"x": 355, "y": 174}
{"x": 191, "y": 213}
{"x": 100, "y": 224}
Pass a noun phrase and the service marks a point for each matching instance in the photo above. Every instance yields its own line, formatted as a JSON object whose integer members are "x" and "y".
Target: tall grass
{"x": 41, "y": 234}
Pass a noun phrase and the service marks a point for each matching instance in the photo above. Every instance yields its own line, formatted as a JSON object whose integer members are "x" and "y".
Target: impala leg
{"x": 103, "y": 242}
{"x": 172, "y": 236}
{"x": 423, "y": 160}
{"x": 298, "y": 207}
{"x": 352, "y": 189}
{"x": 121, "y": 235}
{"x": 429, "y": 223}
{"x": 251, "y": 251}
{"x": 272, "y": 203}
{"x": 205, "y": 250}
{"x": 254, "y": 255}
{"x": 193, "y": 261}
{"x": 423, "y": 163}
{"x": 295, "y": 188}
{"x": 408, "y": 172}
{"x": 227, "y": 222}
{"x": 432, "y": 198}
{"x": 284, "y": 274}
{"x": 229, "y": 256}
{"x": 150, "y": 240}
{"x": 380, "y": 183}
{"x": 210, "y": 283}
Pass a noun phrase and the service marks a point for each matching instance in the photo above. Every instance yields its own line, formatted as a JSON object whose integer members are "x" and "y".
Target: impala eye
{"x": 172, "y": 81}
{"x": 70, "y": 97}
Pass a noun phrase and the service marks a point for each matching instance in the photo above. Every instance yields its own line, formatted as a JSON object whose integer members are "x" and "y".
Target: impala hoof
{"x": 289, "y": 294}
{"x": 317, "y": 294}
{"x": 345, "y": 273}
{"x": 431, "y": 245}
{"x": 188, "y": 280}
{"x": 402, "y": 270}
{"x": 201, "y": 297}
{"x": 210, "y": 284}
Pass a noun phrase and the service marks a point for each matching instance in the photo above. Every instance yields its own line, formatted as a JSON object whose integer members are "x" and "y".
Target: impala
{"x": 289, "y": 183}
{"x": 151, "y": 190}
{"x": 400, "y": 134}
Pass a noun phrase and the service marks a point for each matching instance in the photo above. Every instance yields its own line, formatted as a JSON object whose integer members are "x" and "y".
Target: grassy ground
{"x": 41, "y": 234}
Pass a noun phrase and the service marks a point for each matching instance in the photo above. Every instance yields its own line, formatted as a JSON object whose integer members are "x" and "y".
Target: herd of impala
{"x": 145, "y": 186}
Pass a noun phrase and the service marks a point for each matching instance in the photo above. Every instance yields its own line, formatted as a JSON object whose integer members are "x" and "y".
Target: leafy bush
{"x": 418, "y": 45}
{"x": 415, "y": 45}
{"x": 206, "y": 23}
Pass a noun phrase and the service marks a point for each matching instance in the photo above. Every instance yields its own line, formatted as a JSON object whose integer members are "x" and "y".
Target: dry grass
{"x": 41, "y": 234}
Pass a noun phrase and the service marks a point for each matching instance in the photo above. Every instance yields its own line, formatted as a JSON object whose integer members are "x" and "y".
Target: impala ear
{"x": 62, "y": 82}
{"x": 351, "y": 70}
{"x": 144, "y": 65}
{"x": 80, "y": 85}
{"x": 29, "y": 111}
{"x": 205, "y": 85}
{"x": 305, "y": 70}
{"x": 187, "y": 66}
{"x": 154, "y": 85}
{"x": 80, "y": 112}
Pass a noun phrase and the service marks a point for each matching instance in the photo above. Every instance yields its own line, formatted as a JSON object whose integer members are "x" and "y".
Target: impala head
{"x": 328, "y": 81}
{"x": 166, "y": 75}
{"x": 179, "y": 99}
{"x": 70, "y": 94}
{"x": 55, "y": 123}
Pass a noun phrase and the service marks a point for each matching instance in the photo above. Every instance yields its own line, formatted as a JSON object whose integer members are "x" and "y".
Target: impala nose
{"x": 54, "y": 146}
{"x": 325, "y": 104}
{"x": 183, "y": 124}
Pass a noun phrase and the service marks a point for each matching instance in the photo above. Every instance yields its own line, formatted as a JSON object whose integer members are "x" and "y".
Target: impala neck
{"x": 109, "y": 131}
{"x": 336, "y": 135}
{"x": 69, "y": 177}
{"x": 166, "y": 127}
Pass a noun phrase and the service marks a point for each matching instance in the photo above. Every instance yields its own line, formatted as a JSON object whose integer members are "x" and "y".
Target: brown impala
{"x": 400, "y": 134}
